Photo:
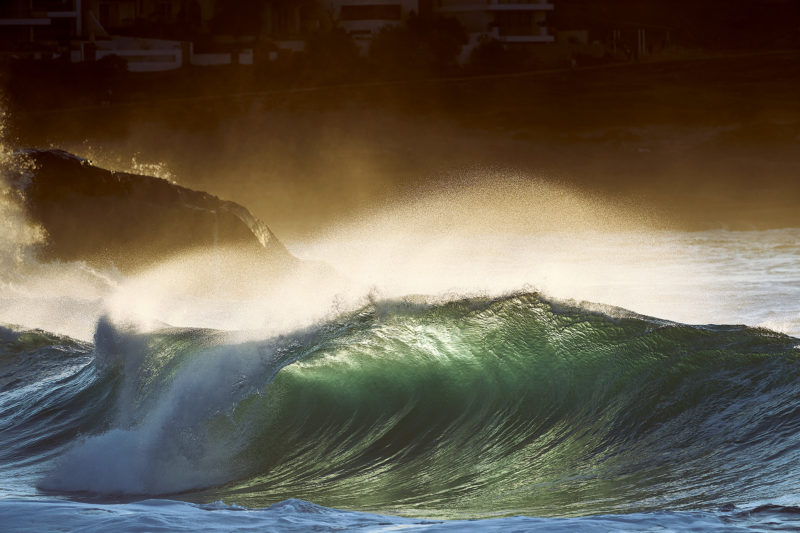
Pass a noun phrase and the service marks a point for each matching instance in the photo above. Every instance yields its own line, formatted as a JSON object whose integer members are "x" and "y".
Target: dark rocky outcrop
{"x": 130, "y": 221}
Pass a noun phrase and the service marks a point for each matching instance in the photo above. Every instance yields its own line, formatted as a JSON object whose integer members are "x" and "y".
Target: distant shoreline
{"x": 282, "y": 87}
{"x": 699, "y": 143}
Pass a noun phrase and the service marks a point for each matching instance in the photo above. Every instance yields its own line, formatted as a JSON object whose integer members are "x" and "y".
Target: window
{"x": 165, "y": 11}
{"x": 372, "y": 12}
{"x": 105, "y": 15}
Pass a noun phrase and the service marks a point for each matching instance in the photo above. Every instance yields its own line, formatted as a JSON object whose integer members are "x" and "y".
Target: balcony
{"x": 461, "y": 6}
{"x": 521, "y": 35}
{"x": 34, "y": 17}
{"x": 541, "y": 38}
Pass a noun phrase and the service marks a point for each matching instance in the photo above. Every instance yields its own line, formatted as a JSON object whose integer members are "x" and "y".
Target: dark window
{"x": 165, "y": 11}
{"x": 12, "y": 36}
{"x": 53, "y": 5}
{"x": 514, "y": 23}
{"x": 372, "y": 12}
{"x": 59, "y": 29}
{"x": 105, "y": 15}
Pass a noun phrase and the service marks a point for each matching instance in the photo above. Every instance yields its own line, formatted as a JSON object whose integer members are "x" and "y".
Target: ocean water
{"x": 491, "y": 381}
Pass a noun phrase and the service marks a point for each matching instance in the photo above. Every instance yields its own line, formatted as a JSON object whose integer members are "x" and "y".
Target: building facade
{"x": 51, "y": 28}
{"x": 39, "y": 28}
{"x": 508, "y": 21}
{"x": 363, "y": 19}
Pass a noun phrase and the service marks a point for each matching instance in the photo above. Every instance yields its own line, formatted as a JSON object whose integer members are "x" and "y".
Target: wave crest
{"x": 476, "y": 404}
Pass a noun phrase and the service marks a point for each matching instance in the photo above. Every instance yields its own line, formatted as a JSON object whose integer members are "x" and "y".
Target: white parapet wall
{"x": 142, "y": 55}
{"x": 243, "y": 57}
{"x": 156, "y": 55}
{"x": 210, "y": 60}
{"x": 147, "y": 60}
{"x": 246, "y": 56}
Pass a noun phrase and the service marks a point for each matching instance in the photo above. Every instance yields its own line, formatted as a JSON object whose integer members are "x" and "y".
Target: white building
{"x": 363, "y": 19}
{"x": 39, "y": 28}
{"x": 507, "y": 21}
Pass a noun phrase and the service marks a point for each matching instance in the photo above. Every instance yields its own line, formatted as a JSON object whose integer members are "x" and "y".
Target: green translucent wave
{"x": 466, "y": 408}
{"x": 519, "y": 404}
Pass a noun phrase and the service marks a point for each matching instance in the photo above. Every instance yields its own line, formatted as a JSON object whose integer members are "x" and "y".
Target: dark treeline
{"x": 424, "y": 46}
{"x": 708, "y": 23}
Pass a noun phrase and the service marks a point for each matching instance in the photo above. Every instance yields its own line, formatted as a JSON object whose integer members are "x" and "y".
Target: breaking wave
{"x": 467, "y": 407}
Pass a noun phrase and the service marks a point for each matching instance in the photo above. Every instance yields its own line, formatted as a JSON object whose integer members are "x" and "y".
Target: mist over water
{"x": 489, "y": 233}
{"x": 691, "y": 277}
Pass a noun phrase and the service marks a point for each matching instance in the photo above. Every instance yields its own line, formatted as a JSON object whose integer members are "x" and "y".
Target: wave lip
{"x": 170, "y": 428}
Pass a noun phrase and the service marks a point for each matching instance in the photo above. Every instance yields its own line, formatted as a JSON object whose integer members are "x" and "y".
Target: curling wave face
{"x": 469, "y": 407}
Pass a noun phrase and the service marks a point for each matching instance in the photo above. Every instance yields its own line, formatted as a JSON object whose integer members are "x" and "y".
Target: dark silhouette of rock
{"x": 126, "y": 220}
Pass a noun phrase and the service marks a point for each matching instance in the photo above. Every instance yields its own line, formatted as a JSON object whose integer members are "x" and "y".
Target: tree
{"x": 332, "y": 56}
{"x": 420, "y": 47}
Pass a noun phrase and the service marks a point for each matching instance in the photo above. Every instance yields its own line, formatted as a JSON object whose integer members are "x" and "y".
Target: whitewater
{"x": 444, "y": 370}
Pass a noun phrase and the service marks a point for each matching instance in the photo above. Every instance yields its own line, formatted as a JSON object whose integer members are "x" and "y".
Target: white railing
{"x": 494, "y": 5}
{"x": 154, "y": 60}
{"x": 210, "y": 60}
